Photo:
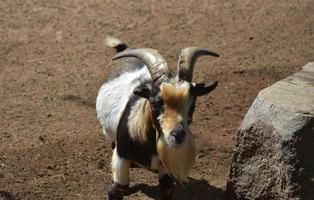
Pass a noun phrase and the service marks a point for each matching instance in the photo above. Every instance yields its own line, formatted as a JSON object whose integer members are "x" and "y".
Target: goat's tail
{"x": 115, "y": 43}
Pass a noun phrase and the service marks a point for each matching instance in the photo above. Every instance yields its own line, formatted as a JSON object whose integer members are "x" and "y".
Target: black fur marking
{"x": 166, "y": 187}
{"x": 121, "y": 47}
{"x": 192, "y": 109}
{"x": 130, "y": 149}
{"x": 201, "y": 89}
{"x": 142, "y": 91}
{"x": 156, "y": 102}
{"x": 198, "y": 90}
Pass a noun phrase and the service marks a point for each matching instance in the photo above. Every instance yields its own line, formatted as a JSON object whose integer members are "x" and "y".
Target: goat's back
{"x": 113, "y": 96}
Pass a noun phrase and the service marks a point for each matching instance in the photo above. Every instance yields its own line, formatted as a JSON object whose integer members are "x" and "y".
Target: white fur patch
{"x": 113, "y": 97}
{"x": 120, "y": 169}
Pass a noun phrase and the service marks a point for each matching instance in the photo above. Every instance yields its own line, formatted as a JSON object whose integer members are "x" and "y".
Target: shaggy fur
{"x": 140, "y": 123}
{"x": 176, "y": 98}
{"x": 178, "y": 161}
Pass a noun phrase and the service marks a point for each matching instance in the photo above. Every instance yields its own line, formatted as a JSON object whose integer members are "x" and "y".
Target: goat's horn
{"x": 187, "y": 61}
{"x": 155, "y": 63}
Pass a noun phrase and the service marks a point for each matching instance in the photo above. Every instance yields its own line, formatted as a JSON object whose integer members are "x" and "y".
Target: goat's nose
{"x": 178, "y": 134}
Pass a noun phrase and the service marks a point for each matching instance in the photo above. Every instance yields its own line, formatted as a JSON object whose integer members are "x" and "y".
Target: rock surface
{"x": 274, "y": 153}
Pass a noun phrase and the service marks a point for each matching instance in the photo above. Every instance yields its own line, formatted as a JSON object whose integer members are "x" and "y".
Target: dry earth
{"x": 53, "y": 61}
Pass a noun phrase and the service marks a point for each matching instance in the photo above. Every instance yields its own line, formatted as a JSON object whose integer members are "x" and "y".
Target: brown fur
{"x": 140, "y": 123}
{"x": 175, "y": 98}
{"x": 175, "y": 95}
{"x": 178, "y": 161}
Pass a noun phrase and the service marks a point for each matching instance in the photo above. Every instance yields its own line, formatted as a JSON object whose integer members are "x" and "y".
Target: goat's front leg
{"x": 120, "y": 172}
{"x": 165, "y": 183}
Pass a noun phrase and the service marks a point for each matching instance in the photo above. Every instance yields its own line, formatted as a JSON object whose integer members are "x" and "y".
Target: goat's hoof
{"x": 113, "y": 197}
{"x": 166, "y": 197}
{"x": 115, "y": 191}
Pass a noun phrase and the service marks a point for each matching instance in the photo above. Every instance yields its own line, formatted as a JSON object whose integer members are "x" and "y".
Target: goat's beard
{"x": 178, "y": 161}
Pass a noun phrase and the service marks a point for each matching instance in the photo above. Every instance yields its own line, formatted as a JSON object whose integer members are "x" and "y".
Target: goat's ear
{"x": 142, "y": 91}
{"x": 201, "y": 89}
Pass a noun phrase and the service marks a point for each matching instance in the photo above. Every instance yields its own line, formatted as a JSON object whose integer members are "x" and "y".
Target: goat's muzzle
{"x": 176, "y": 138}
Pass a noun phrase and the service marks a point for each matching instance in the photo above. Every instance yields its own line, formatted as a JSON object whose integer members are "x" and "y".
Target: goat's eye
{"x": 157, "y": 106}
{"x": 157, "y": 102}
{"x": 160, "y": 101}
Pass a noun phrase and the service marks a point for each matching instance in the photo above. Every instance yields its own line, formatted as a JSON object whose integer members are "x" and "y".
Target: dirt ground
{"x": 53, "y": 61}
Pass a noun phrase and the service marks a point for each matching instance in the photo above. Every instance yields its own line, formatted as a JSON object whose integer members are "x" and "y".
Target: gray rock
{"x": 274, "y": 153}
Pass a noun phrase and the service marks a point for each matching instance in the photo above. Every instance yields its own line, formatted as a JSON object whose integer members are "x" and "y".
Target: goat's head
{"x": 172, "y": 99}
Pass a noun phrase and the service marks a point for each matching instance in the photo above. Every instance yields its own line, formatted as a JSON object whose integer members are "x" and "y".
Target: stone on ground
{"x": 274, "y": 153}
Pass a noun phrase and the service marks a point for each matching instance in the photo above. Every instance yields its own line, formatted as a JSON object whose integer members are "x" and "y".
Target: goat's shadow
{"x": 6, "y": 195}
{"x": 194, "y": 190}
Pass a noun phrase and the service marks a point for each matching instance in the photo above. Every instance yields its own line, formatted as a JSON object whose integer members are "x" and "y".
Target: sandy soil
{"x": 53, "y": 61}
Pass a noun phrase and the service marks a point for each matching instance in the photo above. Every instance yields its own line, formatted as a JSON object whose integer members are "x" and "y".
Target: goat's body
{"x": 145, "y": 111}
{"x": 136, "y": 137}
{"x": 124, "y": 117}
{"x": 115, "y": 94}
{"x": 122, "y": 114}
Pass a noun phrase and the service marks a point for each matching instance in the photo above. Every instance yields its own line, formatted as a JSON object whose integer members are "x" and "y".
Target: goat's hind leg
{"x": 120, "y": 173}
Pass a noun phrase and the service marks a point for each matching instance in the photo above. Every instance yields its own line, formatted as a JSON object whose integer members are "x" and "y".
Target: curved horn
{"x": 187, "y": 61}
{"x": 155, "y": 63}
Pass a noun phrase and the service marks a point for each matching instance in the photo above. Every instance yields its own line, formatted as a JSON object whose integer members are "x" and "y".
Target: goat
{"x": 145, "y": 110}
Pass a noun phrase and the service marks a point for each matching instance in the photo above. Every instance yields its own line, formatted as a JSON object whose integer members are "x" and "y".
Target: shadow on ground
{"x": 6, "y": 195}
{"x": 195, "y": 190}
